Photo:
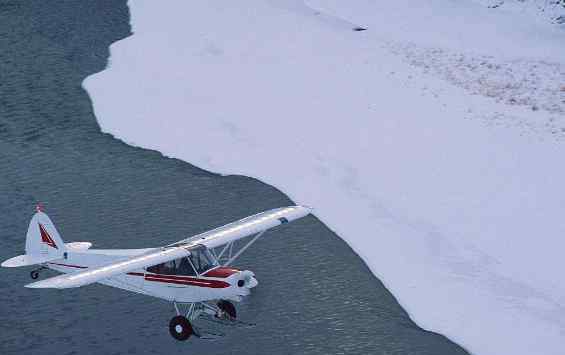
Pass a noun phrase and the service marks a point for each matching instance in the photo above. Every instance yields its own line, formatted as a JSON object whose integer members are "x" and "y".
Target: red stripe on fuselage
{"x": 185, "y": 280}
{"x": 173, "y": 279}
{"x": 135, "y": 273}
{"x": 68, "y": 265}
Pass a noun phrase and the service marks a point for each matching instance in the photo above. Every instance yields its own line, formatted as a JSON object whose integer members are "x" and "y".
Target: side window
{"x": 156, "y": 269}
{"x": 184, "y": 268}
{"x": 174, "y": 267}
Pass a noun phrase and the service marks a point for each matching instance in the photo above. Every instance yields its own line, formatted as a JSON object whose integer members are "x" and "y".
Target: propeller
{"x": 249, "y": 279}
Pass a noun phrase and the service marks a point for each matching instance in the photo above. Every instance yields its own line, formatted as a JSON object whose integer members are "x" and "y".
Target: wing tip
{"x": 304, "y": 209}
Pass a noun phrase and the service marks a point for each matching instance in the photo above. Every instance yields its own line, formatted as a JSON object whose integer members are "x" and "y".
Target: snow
{"x": 540, "y": 10}
{"x": 443, "y": 173}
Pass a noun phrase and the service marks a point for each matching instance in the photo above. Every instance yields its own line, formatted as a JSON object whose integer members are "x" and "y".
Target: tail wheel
{"x": 180, "y": 328}
{"x": 228, "y": 308}
{"x": 34, "y": 274}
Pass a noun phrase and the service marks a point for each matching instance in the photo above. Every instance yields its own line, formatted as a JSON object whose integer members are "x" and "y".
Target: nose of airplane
{"x": 250, "y": 280}
{"x": 246, "y": 279}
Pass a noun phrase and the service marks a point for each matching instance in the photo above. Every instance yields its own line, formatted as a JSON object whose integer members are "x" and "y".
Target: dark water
{"x": 315, "y": 295}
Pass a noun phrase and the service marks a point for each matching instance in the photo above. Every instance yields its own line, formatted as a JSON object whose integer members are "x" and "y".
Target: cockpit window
{"x": 201, "y": 258}
{"x": 174, "y": 267}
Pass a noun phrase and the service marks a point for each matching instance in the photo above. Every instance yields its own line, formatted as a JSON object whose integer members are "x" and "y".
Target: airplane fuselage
{"x": 216, "y": 283}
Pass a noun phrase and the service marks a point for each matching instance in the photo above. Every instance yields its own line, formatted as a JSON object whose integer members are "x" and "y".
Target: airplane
{"x": 194, "y": 272}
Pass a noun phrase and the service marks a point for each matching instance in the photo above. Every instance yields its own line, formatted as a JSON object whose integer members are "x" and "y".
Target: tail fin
{"x": 42, "y": 239}
{"x": 43, "y": 243}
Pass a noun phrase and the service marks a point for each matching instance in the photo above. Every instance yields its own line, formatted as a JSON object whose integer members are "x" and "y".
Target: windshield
{"x": 202, "y": 260}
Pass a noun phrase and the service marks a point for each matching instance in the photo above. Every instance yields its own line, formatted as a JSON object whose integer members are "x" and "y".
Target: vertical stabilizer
{"x": 43, "y": 240}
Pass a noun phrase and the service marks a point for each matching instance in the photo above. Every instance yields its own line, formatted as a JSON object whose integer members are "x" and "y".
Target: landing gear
{"x": 227, "y": 308}
{"x": 34, "y": 274}
{"x": 180, "y": 328}
{"x": 182, "y": 325}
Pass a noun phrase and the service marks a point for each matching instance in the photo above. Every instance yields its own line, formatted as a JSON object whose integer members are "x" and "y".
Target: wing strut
{"x": 227, "y": 247}
{"x": 236, "y": 255}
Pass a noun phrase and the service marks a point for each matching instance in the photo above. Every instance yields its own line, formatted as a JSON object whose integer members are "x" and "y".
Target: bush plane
{"x": 194, "y": 273}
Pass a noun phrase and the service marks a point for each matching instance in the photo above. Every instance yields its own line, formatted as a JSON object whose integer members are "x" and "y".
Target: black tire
{"x": 34, "y": 274}
{"x": 180, "y": 328}
{"x": 228, "y": 308}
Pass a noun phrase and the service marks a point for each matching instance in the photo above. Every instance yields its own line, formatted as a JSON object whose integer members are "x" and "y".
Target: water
{"x": 315, "y": 295}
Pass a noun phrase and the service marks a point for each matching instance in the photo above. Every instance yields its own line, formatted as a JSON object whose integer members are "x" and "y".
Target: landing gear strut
{"x": 181, "y": 327}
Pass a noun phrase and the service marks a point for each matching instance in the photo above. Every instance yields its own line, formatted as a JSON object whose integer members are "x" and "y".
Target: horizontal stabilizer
{"x": 28, "y": 260}
{"x": 96, "y": 274}
{"x": 78, "y": 246}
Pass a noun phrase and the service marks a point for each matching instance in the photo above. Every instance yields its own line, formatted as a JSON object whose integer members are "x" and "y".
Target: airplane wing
{"x": 247, "y": 226}
{"x": 211, "y": 239}
{"x": 92, "y": 275}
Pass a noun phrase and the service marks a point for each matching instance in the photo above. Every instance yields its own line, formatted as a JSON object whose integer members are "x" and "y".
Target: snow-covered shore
{"x": 453, "y": 197}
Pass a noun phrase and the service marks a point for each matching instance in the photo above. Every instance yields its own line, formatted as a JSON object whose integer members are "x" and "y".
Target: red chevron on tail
{"x": 46, "y": 238}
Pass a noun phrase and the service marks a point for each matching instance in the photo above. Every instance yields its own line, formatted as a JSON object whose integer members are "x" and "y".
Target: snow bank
{"x": 463, "y": 221}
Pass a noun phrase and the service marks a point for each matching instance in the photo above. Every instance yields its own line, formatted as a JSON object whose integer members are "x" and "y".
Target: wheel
{"x": 180, "y": 328}
{"x": 34, "y": 274}
{"x": 228, "y": 308}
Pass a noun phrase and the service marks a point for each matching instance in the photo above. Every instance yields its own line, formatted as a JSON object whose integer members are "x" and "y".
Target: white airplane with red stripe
{"x": 194, "y": 273}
